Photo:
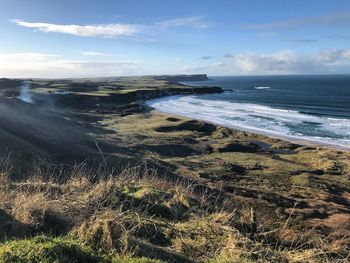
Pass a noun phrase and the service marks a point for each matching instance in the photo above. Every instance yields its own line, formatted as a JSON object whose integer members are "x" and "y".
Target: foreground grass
{"x": 56, "y": 249}
{"x": 84, "y": 215}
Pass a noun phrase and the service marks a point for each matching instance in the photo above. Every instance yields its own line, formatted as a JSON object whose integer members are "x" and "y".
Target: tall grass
{"x": 136, "y": 213}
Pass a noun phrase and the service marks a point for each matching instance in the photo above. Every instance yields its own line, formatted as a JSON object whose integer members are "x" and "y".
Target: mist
{"x": 25, "y": 94}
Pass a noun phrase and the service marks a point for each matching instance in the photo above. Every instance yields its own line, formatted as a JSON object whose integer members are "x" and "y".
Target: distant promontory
{"x": 180, "y": 78}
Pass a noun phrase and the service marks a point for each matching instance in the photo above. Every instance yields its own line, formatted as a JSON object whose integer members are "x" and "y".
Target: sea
{"x": 305, "y": 108}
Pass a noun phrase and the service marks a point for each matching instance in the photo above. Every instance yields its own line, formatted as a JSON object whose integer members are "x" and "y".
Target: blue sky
{"x": 76, "y": 38}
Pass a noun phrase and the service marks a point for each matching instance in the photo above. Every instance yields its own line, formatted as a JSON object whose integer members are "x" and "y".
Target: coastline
{"x": 300, "y": 142}
{"x": 290, "y": 139}
{"x": 135, "y": 100}
{"x": 275, "y": 178}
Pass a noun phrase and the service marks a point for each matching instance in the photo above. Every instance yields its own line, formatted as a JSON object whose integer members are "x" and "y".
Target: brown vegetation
{"x": 111, "y": 216}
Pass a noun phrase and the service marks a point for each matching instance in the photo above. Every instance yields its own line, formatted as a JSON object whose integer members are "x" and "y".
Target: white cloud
{"x": 93, "y": 53}
{"x": 117, "y": 30}
{"x": 287, "y": 62}
{"x": 261, "y": 62}
{"x": 37, "y": 65}
{"x": 194, "y": 22}
{"x": 103, "y": 30}
{"x": 333, "y": 56}
{"x": 97, "y": 54}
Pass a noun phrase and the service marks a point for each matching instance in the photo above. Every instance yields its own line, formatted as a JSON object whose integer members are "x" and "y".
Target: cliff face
{"x": 150, "y": 94}
{"x": 81, "y": 100}
{"x": 180, "y": 78}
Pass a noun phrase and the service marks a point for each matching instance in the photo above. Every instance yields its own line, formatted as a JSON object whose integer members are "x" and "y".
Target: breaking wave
{"x": 262, "y": 87}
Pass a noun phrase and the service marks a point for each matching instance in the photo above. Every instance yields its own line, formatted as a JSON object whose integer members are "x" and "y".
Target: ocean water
{"x": 313, "y": 109}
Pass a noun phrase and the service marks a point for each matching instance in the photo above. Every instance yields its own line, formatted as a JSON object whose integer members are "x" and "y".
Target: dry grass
{"x": 135, "y": 213}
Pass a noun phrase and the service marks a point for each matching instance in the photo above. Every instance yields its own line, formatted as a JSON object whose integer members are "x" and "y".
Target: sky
{"x": 80, "y": 38}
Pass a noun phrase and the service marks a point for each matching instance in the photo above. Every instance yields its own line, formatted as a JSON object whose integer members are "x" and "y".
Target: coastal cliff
{"x": 154, "y": 93}
{"x": 130, "y": 96}
{"x": 128, "y": 103}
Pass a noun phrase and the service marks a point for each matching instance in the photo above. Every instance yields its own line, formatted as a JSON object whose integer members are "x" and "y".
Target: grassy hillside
{"x": 82, "y": 215}
{"x": 90, "y": 174}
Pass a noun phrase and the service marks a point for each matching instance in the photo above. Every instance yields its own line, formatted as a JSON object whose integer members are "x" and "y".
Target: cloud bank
{"x": 327, "y": 61}
{"x": 284, "y": 62}
{"x": 38, "y": 65}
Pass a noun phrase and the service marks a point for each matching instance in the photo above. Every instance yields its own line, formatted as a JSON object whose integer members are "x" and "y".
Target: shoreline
{"x": 293, "y": 141}
{"x": 290, "y": 139}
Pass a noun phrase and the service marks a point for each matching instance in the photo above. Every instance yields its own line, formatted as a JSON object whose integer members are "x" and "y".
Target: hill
{"x": 90, "y": 174}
